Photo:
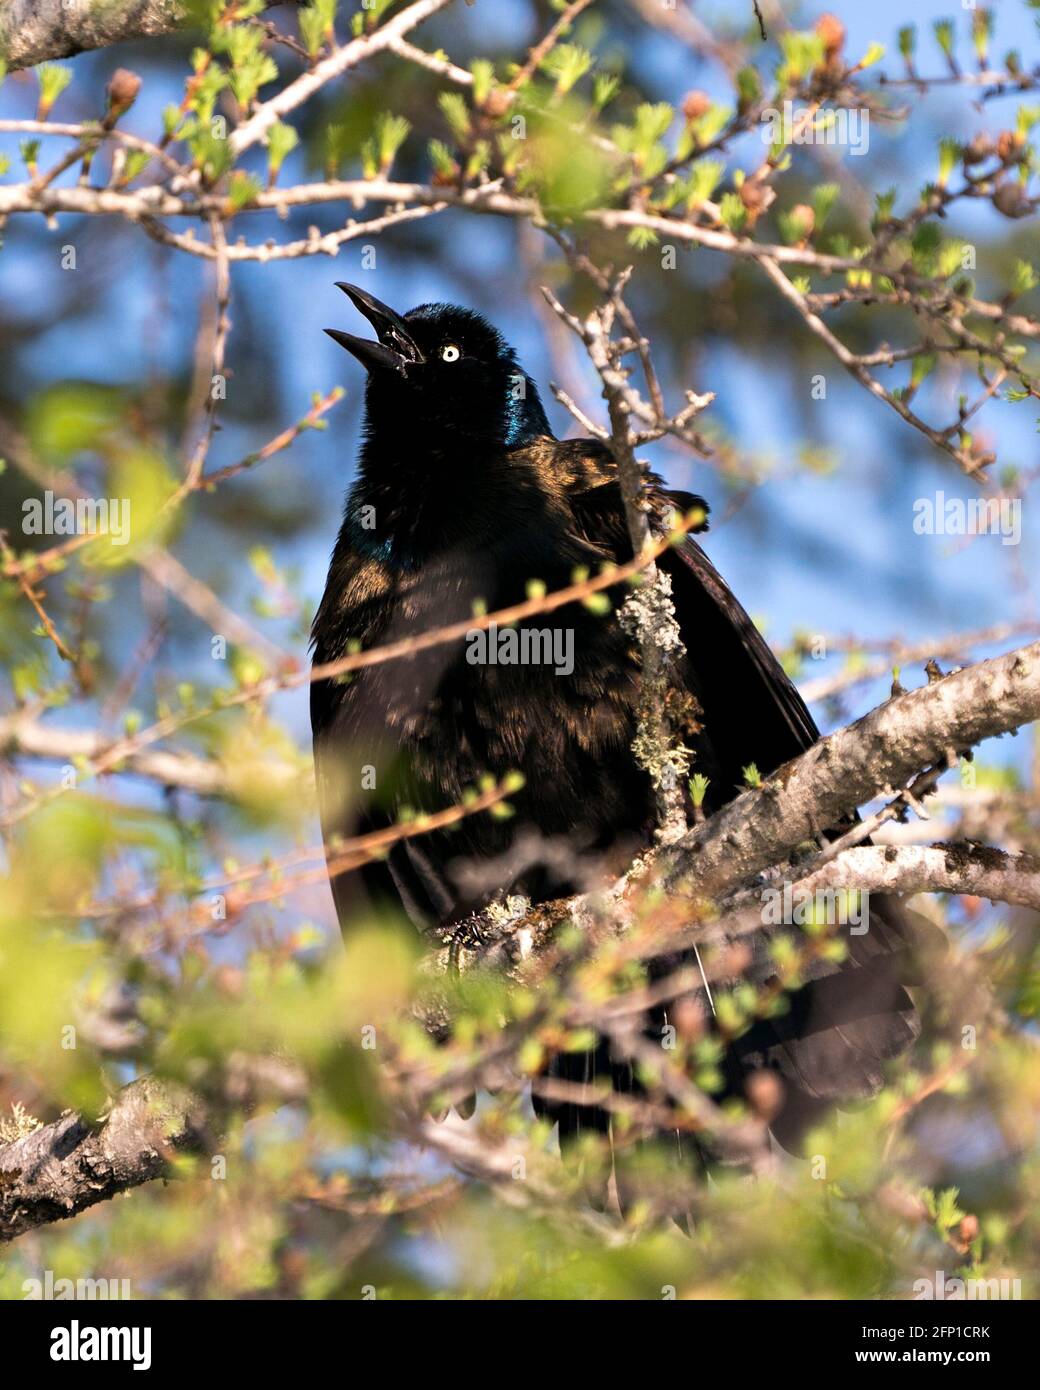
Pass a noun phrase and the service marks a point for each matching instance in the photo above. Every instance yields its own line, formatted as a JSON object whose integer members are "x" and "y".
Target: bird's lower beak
{"x": 396, "y": 347}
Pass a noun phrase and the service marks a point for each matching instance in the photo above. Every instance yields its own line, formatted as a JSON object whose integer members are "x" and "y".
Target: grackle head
{"x": 441, "y": 371}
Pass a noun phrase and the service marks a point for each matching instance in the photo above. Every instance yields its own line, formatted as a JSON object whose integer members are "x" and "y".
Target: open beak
{"x": 396, "y": 347}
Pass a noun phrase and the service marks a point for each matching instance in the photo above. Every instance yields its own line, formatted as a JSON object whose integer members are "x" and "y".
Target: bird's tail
{"x": 827, "y": 1048}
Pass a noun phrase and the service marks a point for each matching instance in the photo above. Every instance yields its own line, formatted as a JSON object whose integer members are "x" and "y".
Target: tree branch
{"x": 337, "y": 63}
{"x": 20, "y": 734}
{"x": 65, "y": 1167}
{"x": 898, "y": 653}
{"x": 962, "y": 867}
{"x": 60, "y": 1169}
{"x": 884, "y": 750}
{"x": 34, "y": 31}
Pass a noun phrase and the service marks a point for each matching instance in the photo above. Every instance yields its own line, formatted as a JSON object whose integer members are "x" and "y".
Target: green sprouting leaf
{"x": 943, "y": 30}
{"x": 705, "y": 177}
{"x": 281, "y": 141}
{"x": 206, "y": 90}
{"x": 341, "y": 145}
{"x": 316, "y": 24}
{"x": 567, "y": 64}
{"x": 802, "y": 53}
{"x": 312, "y": 30}
{"x": 873, "y": 55}
{"x": 749, "y": 87}
{"x": 391, "y": 133}
{"x": 378, "y": 152}
{"x": 733, "y": 212}
{"x": 642, "y": 138}
{"x": 731, "y": 1017}
{"x": 823, "y": 198}
{"x": 605, "y": 87}
{"x": 943, "y": 1209}
{"x": 240, "y": 42}
{"x": 924, "y": 246}
{"x": 1027, "y": 117}
{"x": 652, "y": 123}
{"x": 598, "y": 604}
{"x": 478, "y": 160}
{"x": 795, "y": 224}
{"x": 53, "y": 80}
{"x": 136, "y": 162}
{"x": 456, "y": 113}
{"x": 752, "y": 776}
{"x": 883, "y": 205}
{"x": 567, "y": 175}
{"x": 703, "y": 129}
{"x": 247, "y": 77}
{"x": 1024, "y": 277}
{"x": 981, "y": 33}
{"x": 581, "y": 1040}
{"x": 642, "y": 237}
{"x": 243, "y": 189}
{"x": 68, "y": 419}
{"x": 950, "y": 258}
{"x": 368, "y": 16}
{"x": 950, "y": 152}
{"x": 698, "y": 787}
{"x": 483, "y": 79}
{"x": 907, "y": 40}
{"x": 442, "y": 159}
{"x": 921, "y": 368}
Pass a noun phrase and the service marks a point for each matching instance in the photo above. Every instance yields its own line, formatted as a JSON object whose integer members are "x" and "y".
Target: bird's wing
{"x": 346, "y": 730}
{"x": 751, "y": 706}
{"x": 358, "y": 724}
{"x": 848, "y": 1018}
{"x": 752, "y": 711}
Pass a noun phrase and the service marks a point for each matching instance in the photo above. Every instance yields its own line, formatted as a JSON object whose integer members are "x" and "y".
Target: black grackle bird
{"x": 463, "y": 494}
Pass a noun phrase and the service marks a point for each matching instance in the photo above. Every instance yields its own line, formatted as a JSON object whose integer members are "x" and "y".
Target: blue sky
{"x": 832, "y": 553}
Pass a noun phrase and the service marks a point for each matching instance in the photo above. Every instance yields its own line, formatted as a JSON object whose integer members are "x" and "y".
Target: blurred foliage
{"x": 143, "y": 928}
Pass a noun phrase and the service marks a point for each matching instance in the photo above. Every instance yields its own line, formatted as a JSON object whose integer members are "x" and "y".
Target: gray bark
{"x": 35, "y": 31}
{"x": 876, "y": 755}
{"x": 961, "y": 867}
{"x": 65, "y": 1167}
{"x": 884, "y": 749}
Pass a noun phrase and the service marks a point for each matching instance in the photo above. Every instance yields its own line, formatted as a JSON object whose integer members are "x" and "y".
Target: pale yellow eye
{"x": 450, "y": 353}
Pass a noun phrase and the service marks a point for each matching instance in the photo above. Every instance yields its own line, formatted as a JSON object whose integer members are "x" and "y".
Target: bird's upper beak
{"x": 396, "y": 347}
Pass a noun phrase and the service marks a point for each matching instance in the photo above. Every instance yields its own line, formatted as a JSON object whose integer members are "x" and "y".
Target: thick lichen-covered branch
{"x": 881, "y": 751}
{"x": 60, "y": 1169}
{"x": 877, "y": 755}
{"x": 34, "y": 31}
